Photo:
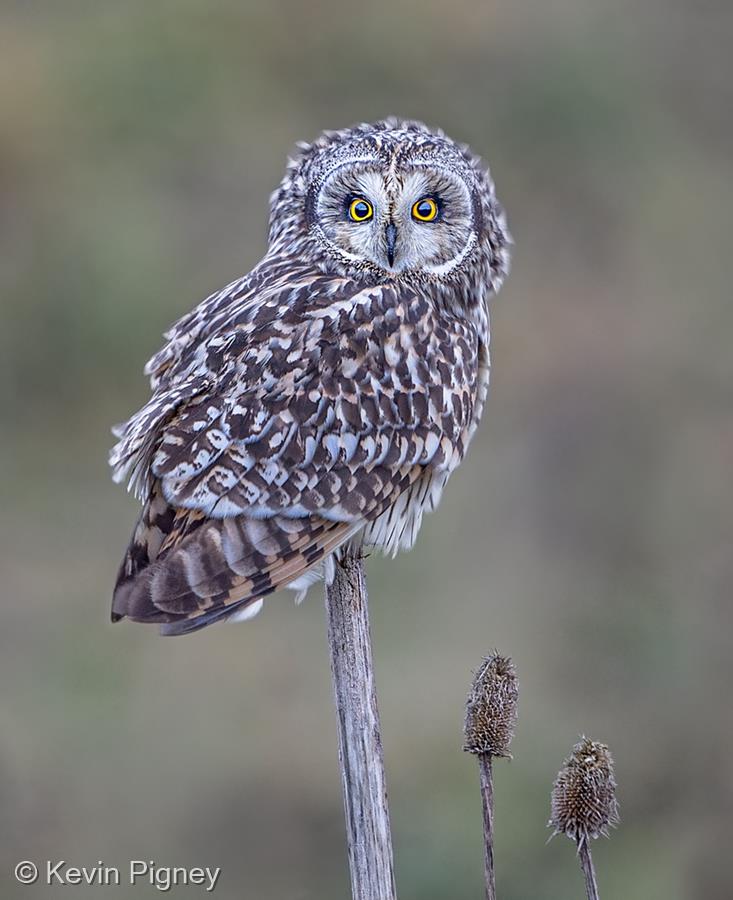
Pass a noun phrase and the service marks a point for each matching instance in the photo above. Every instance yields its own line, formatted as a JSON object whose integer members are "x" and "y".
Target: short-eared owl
{"x": 326, "y": 396}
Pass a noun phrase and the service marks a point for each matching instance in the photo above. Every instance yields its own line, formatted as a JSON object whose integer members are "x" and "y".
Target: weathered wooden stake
{"x": 360, "y": 742}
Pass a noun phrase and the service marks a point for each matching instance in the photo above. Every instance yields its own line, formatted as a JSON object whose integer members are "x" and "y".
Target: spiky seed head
{"x": 584, "y": 801}
{"x": 491, "y": 707}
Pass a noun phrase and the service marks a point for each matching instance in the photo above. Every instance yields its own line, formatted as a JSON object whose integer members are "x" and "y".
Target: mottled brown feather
{"x": 195, "y": 575}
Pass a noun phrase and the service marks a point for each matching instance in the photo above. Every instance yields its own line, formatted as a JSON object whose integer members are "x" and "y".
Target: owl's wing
{"x": 295, "y": 429}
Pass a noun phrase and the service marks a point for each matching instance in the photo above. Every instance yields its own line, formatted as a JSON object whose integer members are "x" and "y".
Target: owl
{"x": 325, "y": 397}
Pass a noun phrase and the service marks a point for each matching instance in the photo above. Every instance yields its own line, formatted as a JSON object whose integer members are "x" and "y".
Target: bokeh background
{"x": 588, "y": 535}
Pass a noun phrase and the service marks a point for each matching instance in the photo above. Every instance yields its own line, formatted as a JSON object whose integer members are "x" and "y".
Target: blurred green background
{"x": 588, "y": 535}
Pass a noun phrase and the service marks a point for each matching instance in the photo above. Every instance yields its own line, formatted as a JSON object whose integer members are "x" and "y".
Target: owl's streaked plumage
{"x": 327, "y": 395}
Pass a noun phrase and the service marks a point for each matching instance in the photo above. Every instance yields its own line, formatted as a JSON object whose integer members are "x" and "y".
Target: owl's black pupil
{"x": 361, "y": 210}
{"x": 424, "y": 208}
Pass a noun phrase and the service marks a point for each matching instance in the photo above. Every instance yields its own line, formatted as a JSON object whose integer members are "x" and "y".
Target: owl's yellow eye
{"x": 425, "y": 210}
{"x": 360, "y": 210}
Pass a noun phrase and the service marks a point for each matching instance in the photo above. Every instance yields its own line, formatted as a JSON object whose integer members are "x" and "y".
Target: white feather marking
{"x": 331, "y": 443}
{"x": 391, "y": 353}
{"x": 249, "y": 612}
{"x": 303, "y": 582}
{"x": 449, "y": 265}
{"x": 431, "y": 446}
{"x": 349, "y": 443}
{"x": 329, "y": 569}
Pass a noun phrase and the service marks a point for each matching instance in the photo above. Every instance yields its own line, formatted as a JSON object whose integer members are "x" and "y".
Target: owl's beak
{"x": 391, "y": 235}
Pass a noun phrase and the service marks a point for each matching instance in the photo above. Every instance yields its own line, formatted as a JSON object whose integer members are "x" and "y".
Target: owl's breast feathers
{"x": 291, "y": 412}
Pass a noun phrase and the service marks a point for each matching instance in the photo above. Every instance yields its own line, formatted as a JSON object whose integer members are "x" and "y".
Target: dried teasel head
{"x": 491, "y": 707}
{"x": 584, "y": 801}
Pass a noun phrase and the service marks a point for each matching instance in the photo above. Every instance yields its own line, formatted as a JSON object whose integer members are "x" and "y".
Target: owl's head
{"x": 393, "y": 200}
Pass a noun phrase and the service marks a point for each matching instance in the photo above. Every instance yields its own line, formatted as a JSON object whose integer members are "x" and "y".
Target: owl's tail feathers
{"x": 235, "y": 612}
{"x": 185, "y": 571}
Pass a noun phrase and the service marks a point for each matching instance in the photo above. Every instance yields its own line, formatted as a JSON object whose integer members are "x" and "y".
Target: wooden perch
{"x": 360, "y": 742}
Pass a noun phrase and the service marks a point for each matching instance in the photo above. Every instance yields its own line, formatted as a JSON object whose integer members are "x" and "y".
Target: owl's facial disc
{"x": 417, "y": 218}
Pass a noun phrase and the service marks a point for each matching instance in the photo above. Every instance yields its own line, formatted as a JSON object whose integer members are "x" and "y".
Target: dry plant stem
{"x": 487, "y": 802}
{"x": 586, "y": 864}
{"x": 360, "y": 743}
